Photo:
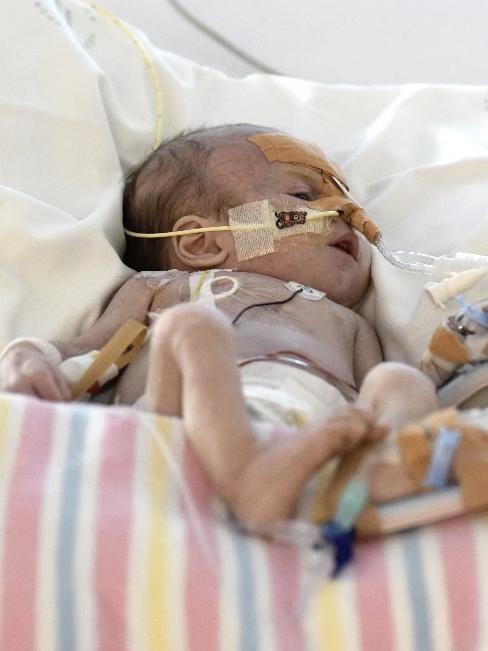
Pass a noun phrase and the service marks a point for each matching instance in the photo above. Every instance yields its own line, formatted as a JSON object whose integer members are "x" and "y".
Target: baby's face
{"x": 337, "y": 262}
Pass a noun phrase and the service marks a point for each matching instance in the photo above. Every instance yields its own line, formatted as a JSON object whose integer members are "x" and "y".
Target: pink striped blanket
{"x": 110, "y": 540}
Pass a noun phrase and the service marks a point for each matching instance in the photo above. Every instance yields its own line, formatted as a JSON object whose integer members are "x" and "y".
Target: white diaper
{"x": 281, "y": 395}
{"x": 278, "y": 395}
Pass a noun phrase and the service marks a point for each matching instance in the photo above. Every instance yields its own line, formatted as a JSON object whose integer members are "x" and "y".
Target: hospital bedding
{"x": 111, "y": 541}
{"x": 109, "y": 535}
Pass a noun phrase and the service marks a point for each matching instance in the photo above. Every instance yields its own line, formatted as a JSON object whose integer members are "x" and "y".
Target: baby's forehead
{"x": 248, "y": 161}
{"x": 236, "y": 166}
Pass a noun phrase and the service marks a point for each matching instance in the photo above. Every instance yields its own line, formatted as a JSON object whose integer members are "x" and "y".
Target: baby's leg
{"x": 193, "y": 362}
{"x": 193, "y": 374}
{"x": 395, "y": 394}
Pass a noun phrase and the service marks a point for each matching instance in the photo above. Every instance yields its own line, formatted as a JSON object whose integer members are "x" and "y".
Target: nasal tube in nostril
{"x": 361, "y": 222}
{"x": 356, "y": 218}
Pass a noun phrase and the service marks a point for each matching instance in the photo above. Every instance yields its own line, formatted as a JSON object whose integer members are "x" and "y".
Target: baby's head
{"x": 194, "y": 179}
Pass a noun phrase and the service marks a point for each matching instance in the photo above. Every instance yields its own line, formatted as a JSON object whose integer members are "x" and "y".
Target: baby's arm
{"x": 367, "y": 350}
{"x": 25, "y": 368}
{"x": 131, "y": 301}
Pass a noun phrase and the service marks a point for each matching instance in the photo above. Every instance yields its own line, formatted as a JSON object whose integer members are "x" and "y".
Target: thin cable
{"x": 220, "y": 40}
{"x": 148, "y": 63}
{"x": 311, "y": 216}
{"x": 287, "y": 300}
{"x": 188, "y": 231}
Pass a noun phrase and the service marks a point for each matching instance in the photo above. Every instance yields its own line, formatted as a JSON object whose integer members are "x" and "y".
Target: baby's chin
{"x": 350, "y": 291}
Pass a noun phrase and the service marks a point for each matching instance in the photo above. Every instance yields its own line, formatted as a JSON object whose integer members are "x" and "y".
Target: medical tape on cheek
{"x": 259, "y": 226}
{"x": 285, "y": 149}
{"x": 251, "y": 225}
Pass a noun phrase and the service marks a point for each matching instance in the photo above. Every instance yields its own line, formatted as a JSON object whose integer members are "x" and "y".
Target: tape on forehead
{"x": 285, "y": 149}
{"x": 256, "y": 226}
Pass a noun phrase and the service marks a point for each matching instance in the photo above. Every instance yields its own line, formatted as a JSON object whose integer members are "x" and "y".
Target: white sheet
{"x": 79, "y": 105}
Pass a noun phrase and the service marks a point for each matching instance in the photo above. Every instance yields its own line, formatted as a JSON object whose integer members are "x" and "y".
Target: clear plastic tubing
{"x": 428, "y": 264}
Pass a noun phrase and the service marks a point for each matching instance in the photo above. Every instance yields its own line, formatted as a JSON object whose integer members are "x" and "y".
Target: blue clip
{"x": 475, "y": 313}
{"x": 442, "y": 457}
{"x": 342, "y": 540}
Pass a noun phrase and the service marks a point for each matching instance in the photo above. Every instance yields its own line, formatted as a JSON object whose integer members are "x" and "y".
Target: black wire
{"x": 218, "y": 38}
{"x": 287, "y": 300}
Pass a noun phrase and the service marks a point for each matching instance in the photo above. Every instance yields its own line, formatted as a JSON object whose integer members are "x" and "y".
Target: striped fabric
{"x": 110, "y": 540}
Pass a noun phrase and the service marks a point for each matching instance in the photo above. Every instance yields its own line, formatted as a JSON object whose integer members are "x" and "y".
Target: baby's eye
{"x": 304, "y": 196}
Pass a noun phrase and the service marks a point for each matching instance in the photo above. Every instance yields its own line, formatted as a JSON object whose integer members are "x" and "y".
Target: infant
{"x": 241, "y": 345}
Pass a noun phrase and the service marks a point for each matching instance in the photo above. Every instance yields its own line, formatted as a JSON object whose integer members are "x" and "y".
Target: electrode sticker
{"x": 309, "y": 293}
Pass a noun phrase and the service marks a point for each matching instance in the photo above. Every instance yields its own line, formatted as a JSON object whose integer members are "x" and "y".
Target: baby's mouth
{"x": 348, "y": 242}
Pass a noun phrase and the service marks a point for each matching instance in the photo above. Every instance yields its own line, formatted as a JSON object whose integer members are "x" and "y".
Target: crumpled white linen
{"x": 84, "y": 97}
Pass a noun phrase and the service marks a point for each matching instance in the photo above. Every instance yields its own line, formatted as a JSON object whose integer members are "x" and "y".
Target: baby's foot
{"x": 346, "y": 428}
{"x": 268, "y": 488}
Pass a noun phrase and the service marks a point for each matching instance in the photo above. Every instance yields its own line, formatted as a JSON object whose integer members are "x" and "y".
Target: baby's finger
{"x": 63, "y": 386}
{"x": 360, "y": 421}
{"x": 344, "y": 437}
{"x": 378, "y": 431}
{"x": 23, "y": 387}
{"x": 46, "y": 388}
{"x": 364, "y": 414}
{"x": 346, "y": 414}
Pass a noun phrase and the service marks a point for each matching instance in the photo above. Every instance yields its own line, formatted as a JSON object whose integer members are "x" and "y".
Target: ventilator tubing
{"x": 449, "y": 268}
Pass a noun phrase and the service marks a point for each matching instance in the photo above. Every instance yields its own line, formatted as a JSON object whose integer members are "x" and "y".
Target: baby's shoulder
{"x": 157, "y": 279}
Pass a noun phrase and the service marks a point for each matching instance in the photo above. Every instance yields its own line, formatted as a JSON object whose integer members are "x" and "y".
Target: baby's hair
{"x": 172, "y": 182}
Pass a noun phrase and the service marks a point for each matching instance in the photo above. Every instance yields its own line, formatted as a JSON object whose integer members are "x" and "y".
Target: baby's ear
{"x": 200, "y": 250}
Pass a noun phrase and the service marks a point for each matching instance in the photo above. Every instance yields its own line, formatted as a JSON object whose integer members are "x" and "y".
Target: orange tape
{"x": 119, "y": 350}
{"x": 285, "y": 149}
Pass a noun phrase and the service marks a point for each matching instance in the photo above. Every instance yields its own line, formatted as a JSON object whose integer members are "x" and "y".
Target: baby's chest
{"x": 272, "y": 302}
{"x": 296, "y": 305}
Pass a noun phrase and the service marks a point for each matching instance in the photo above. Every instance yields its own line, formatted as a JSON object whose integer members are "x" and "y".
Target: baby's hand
{"x": 24, "y": 369}
{"x": 349, "y": 426}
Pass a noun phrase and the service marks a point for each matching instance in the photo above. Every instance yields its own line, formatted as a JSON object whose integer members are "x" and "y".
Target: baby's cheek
{"x": 298, "y": 242}
{"x": 365, "y": 251}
